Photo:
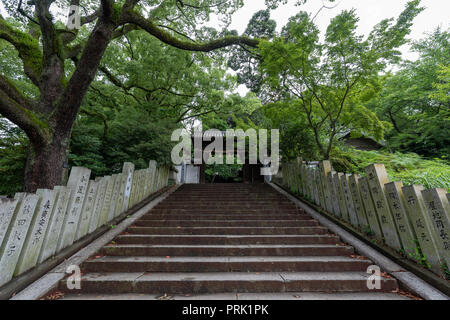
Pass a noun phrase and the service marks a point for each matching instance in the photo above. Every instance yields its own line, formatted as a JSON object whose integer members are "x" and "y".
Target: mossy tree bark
{"x": 48, "y": 121}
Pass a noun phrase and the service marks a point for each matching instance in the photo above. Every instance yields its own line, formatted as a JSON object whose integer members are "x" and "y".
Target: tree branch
{"x": 27, "y": 47}
{"x": 48, "y": 31}
{"x": 166, "y": 37}
{"x": 23, "y": 13}
{"x": 86, "y": 68}
{"x": 123, "y": 31}
{"x": 10, "y": 89}
{"x": 37, "y": 130}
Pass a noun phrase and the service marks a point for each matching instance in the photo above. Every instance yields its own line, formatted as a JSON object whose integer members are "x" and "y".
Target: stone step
{"x": 188, "y": 216}
{"x": 221, "y": 202}
{"x": 229, "y": 230}
{"x": 240, "y": 211}
{"x": 197, "y": 207}
{"x": 225, "y": 195}
{"x": 284, "y": 296}
{"x": 226, "y": 223}
{"x": 226, "y": 250}
{"x": 224, "y": 198}
{"x": 225, "y": 264}
{"x": 225, "y": 239}
{"x": 239, "y": 208}
{"x": 186, "y": 283}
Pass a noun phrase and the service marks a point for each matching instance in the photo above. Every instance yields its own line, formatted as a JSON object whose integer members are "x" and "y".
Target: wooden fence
{"x": 408, "y": 219}
{"x": 36, "y": 226}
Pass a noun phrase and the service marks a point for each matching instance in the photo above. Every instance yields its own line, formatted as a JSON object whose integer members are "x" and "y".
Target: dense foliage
{"x": 315, "y": 88}
{"x": 409, "y": 168}
{"x": 416, "y": 100}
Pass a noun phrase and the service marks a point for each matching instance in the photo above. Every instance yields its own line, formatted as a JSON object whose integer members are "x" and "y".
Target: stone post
{"x": 437, "y": 205}
{"x": 369, "y": 208}
{"x": 340, "y": 195}
{"x": 56, "y": 224}
{"x": 325, "y": 168}
{"x": 95, "y": 221}
{"x": 128, "y": 170}
{"x": 15, "y": 237}
{"x": 8, "y": 208}
{"x": 359, "y": 207}
{"x": 423, "y": 226}
{"x": 334, "y": 196}
{"x": 37, "y": 230}
{"x": 395, "y": 199}
{"x": 353, "y": 219}
{"x": 88, "y": 209}
{"x": 377, "y": 178}
{"x": 78, "y": 181}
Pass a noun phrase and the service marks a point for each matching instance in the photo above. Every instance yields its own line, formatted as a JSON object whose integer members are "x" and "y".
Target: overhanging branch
{"x": 168, "y": 38}
{"x": 27, "y": 47}
{"x": 10, "y": 89}
{"x": 37, "y": 130}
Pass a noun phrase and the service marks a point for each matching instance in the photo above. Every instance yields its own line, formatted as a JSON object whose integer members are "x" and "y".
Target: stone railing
{"x": 408, "y": 219}
{"x": 36, "y": 226}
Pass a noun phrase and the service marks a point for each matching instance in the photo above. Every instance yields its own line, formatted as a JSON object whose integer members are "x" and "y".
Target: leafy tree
{"x": 245, "y": 59}
{"x": 415, "y": 99}
{"x": 330, "y": 81}
{"x": 296, "y": 137}
{"x": 131, "y": 109}
{"x": 13, "y": 146}
{"x": 61, "y": 63}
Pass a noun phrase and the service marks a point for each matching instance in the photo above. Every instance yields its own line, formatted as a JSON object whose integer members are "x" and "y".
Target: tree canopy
{"x": 330, "y": 81}
{"x": 115, "y": 89}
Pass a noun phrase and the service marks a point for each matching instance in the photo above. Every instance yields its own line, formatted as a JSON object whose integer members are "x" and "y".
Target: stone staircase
{"x": 235, "y": 240}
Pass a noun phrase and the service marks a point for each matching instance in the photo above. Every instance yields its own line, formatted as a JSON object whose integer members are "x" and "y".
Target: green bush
{"x": 409, "y": 168}
{"x": 226, "y": 172}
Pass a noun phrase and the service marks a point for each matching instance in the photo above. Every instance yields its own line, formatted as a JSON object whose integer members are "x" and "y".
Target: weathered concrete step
{"x": 186, "y": 216}
{"x": 186, "y": 283}
{"x": 223, "y": 194}
{"x": 235, "y": 202}
{"x": 284, "y": 296}
{"x": 229, "y": 230}
{"x": 226, "y": 250}
{"x": 223, "y": 211}
{"x": 225, "y": 264}
{"x": 224, "y": 198}
{"x": 225, "y": 239}
{"x": 201, "y": 206}
{"x": 226, "y": 223}
{"x": 221, "y": 197}
{"x": 221, "y": 200}
{"x": 235, "y": 190}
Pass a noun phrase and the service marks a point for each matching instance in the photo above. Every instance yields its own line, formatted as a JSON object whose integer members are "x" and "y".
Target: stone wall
{"x": 35, "y": 227}
{"x": 411, "y": 220}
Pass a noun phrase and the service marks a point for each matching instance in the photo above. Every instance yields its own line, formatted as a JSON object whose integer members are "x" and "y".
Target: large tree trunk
{"x": 47, "y": 165}
{"x": 47, "y": 162}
